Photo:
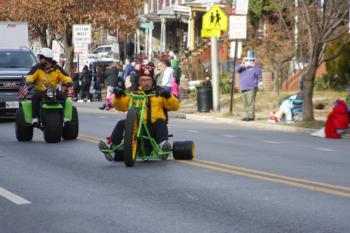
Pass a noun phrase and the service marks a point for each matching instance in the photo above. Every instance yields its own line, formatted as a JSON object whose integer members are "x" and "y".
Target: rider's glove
{"x": 164, "y": 92}
{"x": 118, "y": 92}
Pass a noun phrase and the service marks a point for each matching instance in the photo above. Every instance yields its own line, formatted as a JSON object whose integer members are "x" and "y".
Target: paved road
{"x": 242, "y": 180}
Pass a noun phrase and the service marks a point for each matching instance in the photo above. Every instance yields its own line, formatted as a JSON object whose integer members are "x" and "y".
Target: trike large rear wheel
{"x": 130, "y": 138}
{"x": 183, "y": 150}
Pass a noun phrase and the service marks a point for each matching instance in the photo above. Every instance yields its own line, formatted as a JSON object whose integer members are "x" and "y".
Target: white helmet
{"x": 46, "y": 52}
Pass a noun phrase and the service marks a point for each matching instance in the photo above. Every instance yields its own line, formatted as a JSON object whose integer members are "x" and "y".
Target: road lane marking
{"x": 260, "y": 175}
{"x": 13, "y": 197}
{"x": 324, "y": 149}
{"x": 229, "y": 136}
{"x": 192, "y": 131}
{"x": 272, "y": 142}
{"x": 90, "y": 137}
{"x": 88, "y": 140}
{"x": 273, "y": 180}
{"x": 274, "y": 175}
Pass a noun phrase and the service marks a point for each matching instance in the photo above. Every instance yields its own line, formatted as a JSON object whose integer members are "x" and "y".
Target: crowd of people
{"x": 88, "y": 85}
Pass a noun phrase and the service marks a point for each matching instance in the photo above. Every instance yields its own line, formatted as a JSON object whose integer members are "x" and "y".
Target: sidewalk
{"x": 213, "y": 118}
{"x": 188, "y": 111}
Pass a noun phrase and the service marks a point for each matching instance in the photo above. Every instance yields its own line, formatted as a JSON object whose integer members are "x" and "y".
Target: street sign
{"x": 210, "y": 33}
{"x": 149, "y": 25}
{"x": 233, "y": 53}
{"x": 82, "y": 33}
{"x": 240, "y": 7}
{"x": 238, "y": 27}
{"x": 81, "y": 50}
{"x": 215, "y": 19}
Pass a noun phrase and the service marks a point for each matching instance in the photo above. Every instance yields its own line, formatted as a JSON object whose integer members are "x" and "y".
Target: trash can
{"x": 204, "y": 98}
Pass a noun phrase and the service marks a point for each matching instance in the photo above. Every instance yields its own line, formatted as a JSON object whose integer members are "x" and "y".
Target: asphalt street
{"x": 242, "y": 180}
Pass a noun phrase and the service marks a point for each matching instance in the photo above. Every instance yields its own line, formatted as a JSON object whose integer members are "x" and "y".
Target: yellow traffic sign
{"x": 215, "y": 19}
{"x": 210, "y": 33}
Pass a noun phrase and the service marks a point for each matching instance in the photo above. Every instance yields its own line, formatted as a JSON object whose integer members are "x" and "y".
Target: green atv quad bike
{"x": 56, "y": 119}
{"x": 138, "y": 143}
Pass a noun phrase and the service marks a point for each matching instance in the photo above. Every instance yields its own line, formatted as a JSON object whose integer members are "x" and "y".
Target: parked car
{"x": 103, "y": 51}
{"x": 14, "y": 66}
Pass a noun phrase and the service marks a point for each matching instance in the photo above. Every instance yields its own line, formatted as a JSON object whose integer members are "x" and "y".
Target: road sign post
{"x": 237, "y": 31}
{"x": 214, "y": 21}
{"x": 81, "y": 41}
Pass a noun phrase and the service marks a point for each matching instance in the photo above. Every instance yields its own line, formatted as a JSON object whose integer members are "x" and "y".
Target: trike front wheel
{"x": 130, "y": 138}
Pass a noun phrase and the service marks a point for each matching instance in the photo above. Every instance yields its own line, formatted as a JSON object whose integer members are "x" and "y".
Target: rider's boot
{"x": 106, "y": 150}
{"x": 35, "y": 121}
{"x": 165, "y": 146}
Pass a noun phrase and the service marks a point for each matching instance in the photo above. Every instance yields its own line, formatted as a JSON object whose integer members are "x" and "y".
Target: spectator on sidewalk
{"x": 98, "y": 83}
{"x": 249, "y": 77}
{"x": 167, "y": 75}
{"x": 129, "y": 67}
{"x": 285, "y": 112}
{"x": 112, "y": 78}
{"x": 132, "y": 80}
{"x": 85, "y": 78}
{"x": 337, "y": 122}
{"x": 76, "y": 86}
{"x": 175, "y": 64}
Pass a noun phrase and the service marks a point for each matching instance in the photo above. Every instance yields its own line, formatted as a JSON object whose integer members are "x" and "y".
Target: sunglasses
{"x": 41, "y": 57}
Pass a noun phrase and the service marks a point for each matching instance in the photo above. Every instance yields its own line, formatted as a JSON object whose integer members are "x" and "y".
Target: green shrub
{"x": 225, "y": 83}
{"x": 332, "y": 82}
{"x": 338, "y": 77}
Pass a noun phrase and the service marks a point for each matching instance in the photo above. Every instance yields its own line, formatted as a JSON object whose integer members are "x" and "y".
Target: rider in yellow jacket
{"x": 157, "y": 106}
{"x": 46, "y": 74}
{"x": 154, "y": 114}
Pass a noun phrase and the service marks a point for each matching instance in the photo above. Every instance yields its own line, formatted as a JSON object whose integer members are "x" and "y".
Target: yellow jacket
{"x": 158, "y": 104}
{"x": 44, "y": 79}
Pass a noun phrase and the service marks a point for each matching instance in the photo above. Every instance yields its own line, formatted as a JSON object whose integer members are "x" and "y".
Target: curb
{"x": 213, "y": 120}
{"x": 250, "y": 124}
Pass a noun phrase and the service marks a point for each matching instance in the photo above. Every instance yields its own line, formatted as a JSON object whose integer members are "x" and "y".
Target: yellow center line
{"x": 88, "y": 140}
{"x": 256, "y": 174}
{"x": 91, "y": 137}
{"x": 345, "y": 188}
{"x": 274, "y": 180}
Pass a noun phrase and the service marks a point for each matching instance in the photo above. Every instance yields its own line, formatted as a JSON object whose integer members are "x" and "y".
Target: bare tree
{"x": 324, "y": 24}
{"x": 60, "y": 16}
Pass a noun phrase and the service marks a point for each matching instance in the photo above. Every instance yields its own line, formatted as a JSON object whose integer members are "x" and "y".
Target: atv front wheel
{"x": 52, "y": 127}
{"x": 24, "y": 133}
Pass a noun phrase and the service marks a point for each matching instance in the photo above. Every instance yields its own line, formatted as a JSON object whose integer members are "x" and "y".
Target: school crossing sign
{"x": 214, "y": 21}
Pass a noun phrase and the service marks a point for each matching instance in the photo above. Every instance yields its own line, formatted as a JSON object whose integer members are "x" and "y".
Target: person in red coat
{"x": 337, "y": 120}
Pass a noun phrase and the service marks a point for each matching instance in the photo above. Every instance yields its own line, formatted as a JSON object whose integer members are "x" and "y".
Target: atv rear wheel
{"x": 71, "y": 129}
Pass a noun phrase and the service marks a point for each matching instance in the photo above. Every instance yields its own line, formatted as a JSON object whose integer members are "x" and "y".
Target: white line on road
{"x": 324, "y": 149}
{"x": 272, "y": 142}
{"x": 229, "y": 136}
{"x": 192, "y": 131}
{"x": 13, "y": 197}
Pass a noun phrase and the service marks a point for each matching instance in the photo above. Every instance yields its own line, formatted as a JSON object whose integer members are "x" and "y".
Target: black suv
{"x": 14, "y": 65}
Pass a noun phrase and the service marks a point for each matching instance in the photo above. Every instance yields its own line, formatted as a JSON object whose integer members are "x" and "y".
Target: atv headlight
{"x": 50, "y": 93}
